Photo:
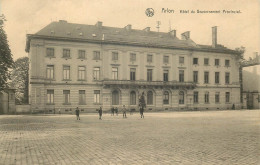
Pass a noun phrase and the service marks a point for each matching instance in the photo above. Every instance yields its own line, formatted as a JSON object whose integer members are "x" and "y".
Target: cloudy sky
{"x": 234, "y": 30}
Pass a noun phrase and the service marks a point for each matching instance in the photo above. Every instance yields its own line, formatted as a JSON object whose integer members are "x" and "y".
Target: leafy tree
{"x": 20, "y": 79}
{"x": 6, "y": 60}
{"x": 241, "y": 50}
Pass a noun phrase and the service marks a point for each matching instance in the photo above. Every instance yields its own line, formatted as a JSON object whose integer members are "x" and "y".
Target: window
{"x": 258, "y": 98}
{"x": 181, "y": 97}
{"x": 132, "y": 73}
{"x": 66, "y": 96}
{"x": 96, "y": 55}
{"x": 115, "y": 97}
{"x": 206, "y": 77}
{"x": 227, "y": 63}
{"x": 81, "y": 54}
{"x": 149, "y": 98}
{"x": 149, "y": 75}
{"x": 217, "y": 97}
{"x": 149, "y": 58}
{"x": 114, "y": 56}
{"x": 81, "y": 72}
{"x": 166, "y": 97}
{"x": 206, "y": 61}
{"x": 96, "y": 73}
{"x": 195, "y": 61}
{"x": 50, "y": 72}
{"x": 50, "y": 52}
{"x": 166, "y": 59}
{"x": 181, "y": 75}
{"x": 132, "y": 98}
{"x": 132, "y": 57}
{"x": 196, "y": 97}
{"x": 227, "y": 76}
{"x": 66, "y": 53}
{"x": 96, "y": 96}
{"x": 227, "y": 97}
{"x": 66, "y": 72}
{"x": 50, "y": 96}
{"x": 114, "y": 73}
{"x": 195, "y": 76}
{"x": 216, "y": 77}
{"x": 82, "y": 97}
{"x": 165, "y": 75}
{"x": 216, "y": 62}
{"x": 181, "y": 60}
{"x": 206, "y": 97}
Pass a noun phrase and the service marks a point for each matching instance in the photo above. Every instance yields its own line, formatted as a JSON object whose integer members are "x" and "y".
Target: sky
{"x": 234, "y": 30}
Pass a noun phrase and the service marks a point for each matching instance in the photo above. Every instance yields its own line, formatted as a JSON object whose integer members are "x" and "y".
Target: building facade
{"x": 87, "y": 66}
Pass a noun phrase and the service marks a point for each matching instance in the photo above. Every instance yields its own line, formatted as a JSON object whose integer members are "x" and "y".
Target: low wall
{"x": 23, "y": 108}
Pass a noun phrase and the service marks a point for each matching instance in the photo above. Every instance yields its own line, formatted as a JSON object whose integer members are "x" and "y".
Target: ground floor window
{"x": 206, "y": 97}
{"x": 82, "y": 97}
{"x": 66, "y": 96}
{"x": 227, "y": 97}
{"x": 133, "y": 98}
{"x": 149, "y": 98}
{"x": 196, "y": 97}
{"x": 217, "y": 97}
{"x": 50, "y": 96}
{"x": 181, "y": 97}
{"x": 115, "y": 97}
{"x": 96, "y": 96}
{"x": 166, "y": 97}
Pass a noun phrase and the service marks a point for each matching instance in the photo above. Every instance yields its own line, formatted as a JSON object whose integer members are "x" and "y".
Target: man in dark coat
{"x": 112, "y": 111}
{"x": 77, "y": 113}
{"x": 142, "y": 112}
{"x": 100, "y": 113}
{"x": 124, "y": 111}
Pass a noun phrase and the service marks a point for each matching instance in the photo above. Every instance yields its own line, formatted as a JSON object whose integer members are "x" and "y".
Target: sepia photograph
{"x": 129, "y": 82}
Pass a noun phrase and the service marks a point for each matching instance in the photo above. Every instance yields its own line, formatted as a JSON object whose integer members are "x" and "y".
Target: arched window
{"x": 115, "y": 97}
{"x": 132, "y": 98}
{"x": 181, "y": 97}
{"x": 149, "y": 98}
{"x": 166, "y": 97}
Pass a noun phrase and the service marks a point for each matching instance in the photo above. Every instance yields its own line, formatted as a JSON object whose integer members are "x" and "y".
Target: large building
{"x": 87, "y": 66}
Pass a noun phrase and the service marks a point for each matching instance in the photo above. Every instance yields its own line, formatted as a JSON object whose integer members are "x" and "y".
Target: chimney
{"x": 99, "y": 24}
{"x": 128, "y": 27}
{"x": 173, "y": 33}
{"x": 147, "y": 29}
{"x": 185, "y": 35}
{"x": 214, "y": 36}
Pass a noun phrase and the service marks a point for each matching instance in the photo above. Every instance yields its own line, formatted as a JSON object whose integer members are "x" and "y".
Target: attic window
{"x": 81, "y": 34}
{"x": 94, "y": 35}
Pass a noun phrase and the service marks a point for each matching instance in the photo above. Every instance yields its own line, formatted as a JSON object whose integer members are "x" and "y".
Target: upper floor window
{"x": 96, "y": 73}
{"x": 181, "y": 75}
{"x": 132, "y": 57}
{"x": 132, "y": 73}
{"x": 66, "y": 72}
{"x": 66, "y": 53}
{"x": 181, "y": 60}
{"x": 166, "y": 59}
{"x": 217, "y": 62}
{"x": 50, "y": 52}
{"x": 227, "y": 63}
{"x": 216, "y": 77}
{"x": 114, "y": 56}
{"x": 206, "y": 77}
{"x": 195, "y": 76}
{"x": 96, "y": 55}
{"x": 195, "y": 61}
{"x": 114, "y": 73}
{"x": 81, "y": 72}
{"x": 149, "y": 75}
{"x": 149, "y": 58}
{"x": 50, "y": 72}
{"x": 82, "y": 54}
{"x": 227, "y": 77}
{"x": 165, "y": 75}
{"x": 206, "y": 61}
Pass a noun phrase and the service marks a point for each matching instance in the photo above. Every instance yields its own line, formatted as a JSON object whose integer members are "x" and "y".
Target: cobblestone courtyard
{"x": 213, "y": 137}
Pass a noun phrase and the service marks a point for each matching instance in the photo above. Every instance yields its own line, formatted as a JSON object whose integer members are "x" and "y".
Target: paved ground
{"x": 213, "y": 137}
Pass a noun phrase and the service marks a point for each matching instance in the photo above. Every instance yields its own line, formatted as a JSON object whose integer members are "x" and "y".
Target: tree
{"x": 20, "y": 79}
{"x": 6, "y": 60}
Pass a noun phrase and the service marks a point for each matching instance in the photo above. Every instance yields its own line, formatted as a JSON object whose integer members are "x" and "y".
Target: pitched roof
{"x": 92, "y": 33}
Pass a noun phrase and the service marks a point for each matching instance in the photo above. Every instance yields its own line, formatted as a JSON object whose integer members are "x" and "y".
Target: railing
{"x": 147, "y": 83}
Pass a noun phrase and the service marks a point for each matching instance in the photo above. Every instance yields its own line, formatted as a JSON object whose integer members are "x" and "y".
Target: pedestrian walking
{"x": 112, "y": 111}
{"x": 124, "y": 111}
{"x": 77, "y": 113}
{"x": 142, "y": 112}
{"x": 100, "y": 113}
